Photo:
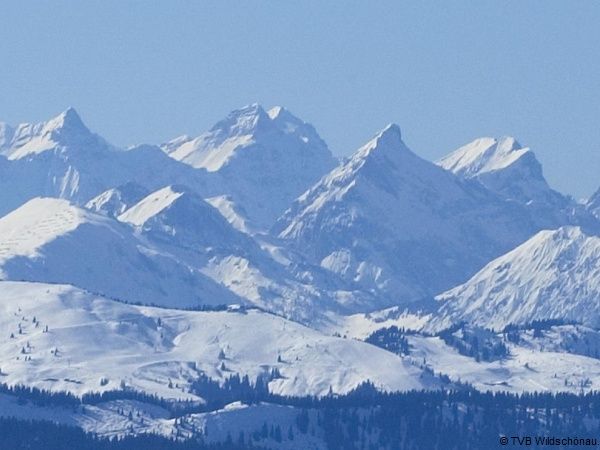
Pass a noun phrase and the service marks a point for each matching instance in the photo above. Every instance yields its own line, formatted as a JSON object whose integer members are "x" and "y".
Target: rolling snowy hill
{"x": 54, "y": 241}
{"x": 90, "y": 338}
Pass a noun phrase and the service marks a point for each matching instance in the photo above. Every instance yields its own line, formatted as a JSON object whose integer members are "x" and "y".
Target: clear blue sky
{"x": 445, "y": 71}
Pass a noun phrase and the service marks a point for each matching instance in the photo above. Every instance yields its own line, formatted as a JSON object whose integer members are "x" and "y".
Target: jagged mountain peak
{"x": 67, "y": 128}
{"x": 387, "y": 140}
{"x": 384, "y": 157}
{"x": 261, "y": 160}
{"x": 246, "y": 120}
{"x": 484, "y": 155}
{"x": 366, "y": 216}
{"x": 66, "y": 131}
{"x": 284, "y": 118}
{"x": 507, "y": 168}
{"x": 68, "y": 119}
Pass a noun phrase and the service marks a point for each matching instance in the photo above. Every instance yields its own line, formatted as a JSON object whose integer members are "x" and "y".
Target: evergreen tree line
{"x": 479, "y": 343}
{"x": 365, "y": 418}
{"x": 391, "y": 339}
{"x": 36, "y": 435}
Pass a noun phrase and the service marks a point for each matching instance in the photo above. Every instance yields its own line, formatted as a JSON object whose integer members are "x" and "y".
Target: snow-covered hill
{"x": 178, "y": 216}
{"x": 65, "y": 339}
{"x": 393, "y": 222}
{"x": 52, "y": 240}
{"x": 262, "y": 160}
{"x": 554, "y": 275}
{"x": 535, "y": 364}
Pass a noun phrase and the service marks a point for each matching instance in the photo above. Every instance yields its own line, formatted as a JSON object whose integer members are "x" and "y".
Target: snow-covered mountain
{"x": 197, "y": 234}
{"x": 393, "y": 222}
{"x": 262, "y": 160}
{"x": 504, "y": 166}
{"x": 554, "y": 275}
{"x": 62, "y": 158}
{"x": 63, "y": 132}
{"x": 52, "y": 240}
{"x": 593, "y": 204}
{"x": 513, "y": 172}
{"x": 116, "y": 201}
{"x": 178, "y": 216}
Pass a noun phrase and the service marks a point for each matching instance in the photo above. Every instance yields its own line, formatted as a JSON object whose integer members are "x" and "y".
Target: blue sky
{"x": 445, "y": 71}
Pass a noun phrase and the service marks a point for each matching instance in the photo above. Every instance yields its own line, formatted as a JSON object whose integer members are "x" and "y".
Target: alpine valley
{"x": 246, "y": 288}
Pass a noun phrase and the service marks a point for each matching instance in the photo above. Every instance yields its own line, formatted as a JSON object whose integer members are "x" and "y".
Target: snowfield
{"x": 162, "y": 351}
{"x": 554, "y": 275}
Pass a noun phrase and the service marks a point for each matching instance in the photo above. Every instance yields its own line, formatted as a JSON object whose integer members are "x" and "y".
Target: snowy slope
{"x": 262, "y": 160}
{"x": 554, "y": 275}
{"x": 63, "y": 158}
{"x": 391, "y": 221}
{"x": 526, "y": 369}
{"x": 235, "y": 214}
{"x": 52, "y": 240}
{"x": 145, "y": 347}
{"x": 178, "y": 216}
{"x": 109, "y": 419}
{"x": 195, "y": 233}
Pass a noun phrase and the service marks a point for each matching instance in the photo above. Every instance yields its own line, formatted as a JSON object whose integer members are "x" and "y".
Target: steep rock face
{"x": 62, "y": 158}
{"x": 554, "y": 275}
{"x": 262, "y": 160}
{"x": 593, "y": 204}
{"x": 115, "y": 201}
{"x": 395, "y": 223}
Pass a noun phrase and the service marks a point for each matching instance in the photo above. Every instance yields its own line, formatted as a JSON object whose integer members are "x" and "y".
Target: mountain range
{"x": 252, "y": 251}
